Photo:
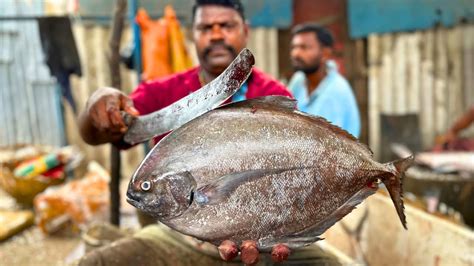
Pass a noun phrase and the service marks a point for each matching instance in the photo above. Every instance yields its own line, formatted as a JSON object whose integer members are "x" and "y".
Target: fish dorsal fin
{"x": 337, "y": 130}
{"x": 288, "y": 104}
{"x": 281, "y": 102}
{"x": 222, "y": 187}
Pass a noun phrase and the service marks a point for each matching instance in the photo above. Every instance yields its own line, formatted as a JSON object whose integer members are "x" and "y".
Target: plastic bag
{"x": 155, "y": 46}
{"x": 180, "y": 59}
{"x": 74, "y": 204}
{"x": 163, "y": 45}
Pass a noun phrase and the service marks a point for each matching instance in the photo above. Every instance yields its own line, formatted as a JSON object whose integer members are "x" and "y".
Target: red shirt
{"x": 155, "y": 95}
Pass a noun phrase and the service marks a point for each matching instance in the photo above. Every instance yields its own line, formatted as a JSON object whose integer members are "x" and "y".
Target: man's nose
{"x": 216, "y": 33}
{"x": 295, "y": 52}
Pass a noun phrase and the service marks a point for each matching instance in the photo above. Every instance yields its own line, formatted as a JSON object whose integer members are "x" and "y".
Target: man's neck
{"x": 314, "y": 79}
{"x": 206, "y": 77}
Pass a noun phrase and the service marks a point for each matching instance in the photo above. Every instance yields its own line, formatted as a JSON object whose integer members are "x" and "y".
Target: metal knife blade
{"x": 195, "y": 104}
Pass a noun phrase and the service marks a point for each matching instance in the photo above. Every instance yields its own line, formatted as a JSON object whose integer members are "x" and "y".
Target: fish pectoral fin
{"x": 221, "y": 188}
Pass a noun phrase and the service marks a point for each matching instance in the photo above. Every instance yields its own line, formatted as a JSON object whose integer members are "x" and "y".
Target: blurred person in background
{"x": 450, "y": 139}
{"x": 317, "y": 84}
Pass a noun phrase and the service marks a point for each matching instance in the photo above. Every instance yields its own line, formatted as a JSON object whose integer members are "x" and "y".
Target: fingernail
{"x": 135, "y": 111}
{"x": 280, "y": 252}
{"x": 228, "y": 250}
{"x": 249, "y": 252}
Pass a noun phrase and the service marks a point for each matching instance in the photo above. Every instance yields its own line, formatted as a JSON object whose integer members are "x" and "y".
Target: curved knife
{"x": 195, "y": 104}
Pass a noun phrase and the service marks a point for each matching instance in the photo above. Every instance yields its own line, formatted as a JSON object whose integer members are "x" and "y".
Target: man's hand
{"x": 101, "y": 121}
{"x": 444, "y": 142}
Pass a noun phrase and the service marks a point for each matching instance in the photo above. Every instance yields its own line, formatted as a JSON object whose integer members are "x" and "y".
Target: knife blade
{"x": 208, "y": 97}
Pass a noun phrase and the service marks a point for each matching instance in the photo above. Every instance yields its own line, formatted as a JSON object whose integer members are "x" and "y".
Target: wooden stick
{"x": 114, "y": 65}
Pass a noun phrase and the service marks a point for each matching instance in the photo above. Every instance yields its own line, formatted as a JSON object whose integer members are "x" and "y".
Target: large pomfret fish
{"x": 259, "y": 170}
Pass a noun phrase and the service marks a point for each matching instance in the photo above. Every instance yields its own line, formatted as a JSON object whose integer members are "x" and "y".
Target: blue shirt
{"x": 240, "y": 94}
{"x": 333, "y": 99}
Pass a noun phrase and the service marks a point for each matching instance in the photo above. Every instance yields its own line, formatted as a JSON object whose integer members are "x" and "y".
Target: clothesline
{"x": 94, "y": 18}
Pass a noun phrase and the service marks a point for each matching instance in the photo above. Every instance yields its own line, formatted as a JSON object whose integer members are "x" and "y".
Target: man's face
{"x": 219, "y": 34}
{"x": 306, "y": 53}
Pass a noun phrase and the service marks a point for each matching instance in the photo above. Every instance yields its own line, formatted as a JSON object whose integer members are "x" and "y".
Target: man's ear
{"x": 327, "y": 53}
{"x": 246, "y": 31}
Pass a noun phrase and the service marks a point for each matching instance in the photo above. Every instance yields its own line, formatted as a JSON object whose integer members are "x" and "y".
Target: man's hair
{"x": 234, "y": 4}
{"x": 323, "y": 35}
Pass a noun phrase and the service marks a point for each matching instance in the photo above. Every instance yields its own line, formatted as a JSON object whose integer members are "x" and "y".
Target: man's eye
{"x": 206, "y": 28}
{"x": 228, "y": 26}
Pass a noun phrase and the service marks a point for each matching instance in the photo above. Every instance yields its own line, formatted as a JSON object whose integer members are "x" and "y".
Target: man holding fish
{"x": 220, "y": 32}
{"x": 252, "y": 176}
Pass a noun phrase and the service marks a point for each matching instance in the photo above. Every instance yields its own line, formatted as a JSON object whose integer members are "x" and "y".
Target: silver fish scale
{"x": 326, "y": 170}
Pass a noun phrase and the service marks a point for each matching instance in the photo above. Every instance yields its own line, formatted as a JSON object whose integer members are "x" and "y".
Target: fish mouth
{"x": 139, "y": 205}
{"x": 133, "y": 200}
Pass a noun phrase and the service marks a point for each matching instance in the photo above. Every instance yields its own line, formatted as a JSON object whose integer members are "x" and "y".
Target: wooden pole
{"x": 114, "y": 65}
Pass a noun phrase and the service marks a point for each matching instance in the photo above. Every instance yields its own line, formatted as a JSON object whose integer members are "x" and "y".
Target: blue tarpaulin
{"x": 381, "y": 16}
{"x": 259, "y": 13}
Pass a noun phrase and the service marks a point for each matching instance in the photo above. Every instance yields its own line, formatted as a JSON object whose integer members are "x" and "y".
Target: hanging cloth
{"x": 59, "y": 48}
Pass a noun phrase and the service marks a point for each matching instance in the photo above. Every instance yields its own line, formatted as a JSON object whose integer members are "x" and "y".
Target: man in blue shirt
{"x": 317, "y": 85}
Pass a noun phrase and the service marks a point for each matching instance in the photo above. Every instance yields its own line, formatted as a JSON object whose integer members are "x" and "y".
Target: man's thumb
{"x": 127, "y": 106}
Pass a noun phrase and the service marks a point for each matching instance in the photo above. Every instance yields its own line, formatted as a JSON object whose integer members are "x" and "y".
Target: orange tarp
{"x": 163, "y": 46}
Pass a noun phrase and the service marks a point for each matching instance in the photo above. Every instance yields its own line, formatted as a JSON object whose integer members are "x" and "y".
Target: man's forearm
{"x": 463, "y": 122}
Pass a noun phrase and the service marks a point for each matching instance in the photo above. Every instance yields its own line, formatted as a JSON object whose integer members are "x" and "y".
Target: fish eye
{"x": 145, "y": 185}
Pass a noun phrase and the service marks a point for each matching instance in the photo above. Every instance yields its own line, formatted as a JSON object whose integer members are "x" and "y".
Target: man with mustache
{"x": 317, "y": 85}
{"x": 220, "y": 33}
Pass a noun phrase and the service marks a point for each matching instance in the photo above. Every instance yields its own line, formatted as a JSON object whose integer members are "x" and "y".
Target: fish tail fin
{"x": 393, "y": 183}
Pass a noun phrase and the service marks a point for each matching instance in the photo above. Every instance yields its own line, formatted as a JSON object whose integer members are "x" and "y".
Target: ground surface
{"x": 32, "y": 247}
